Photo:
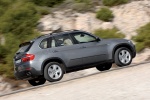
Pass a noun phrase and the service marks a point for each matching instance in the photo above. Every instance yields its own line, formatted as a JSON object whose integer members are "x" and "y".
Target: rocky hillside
{"x": 128, "y": 18}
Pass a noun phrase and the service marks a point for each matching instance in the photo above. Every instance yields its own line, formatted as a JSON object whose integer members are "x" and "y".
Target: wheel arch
{"x": 55, "y": 59}
{"x": 122, "y": 45}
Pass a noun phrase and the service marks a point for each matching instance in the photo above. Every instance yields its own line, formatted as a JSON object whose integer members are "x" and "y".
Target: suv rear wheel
{"x": 37, "y": 81}
{"x": 123, "y": 57}
{"x": 53, "y": 71}
{"x": 104, "y": 67}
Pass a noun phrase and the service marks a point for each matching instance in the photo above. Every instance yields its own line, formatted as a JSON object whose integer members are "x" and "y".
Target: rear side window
{"x": 47, "y": 43}
{"x": 24, "y": 47}
{"x": 44, "y": 44}
{"x": 63, "y": 40}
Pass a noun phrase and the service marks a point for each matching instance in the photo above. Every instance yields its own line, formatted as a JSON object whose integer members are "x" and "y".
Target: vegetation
{"x": 49, "y": 3}
{"x": 17, "y": 26}
{"x": 105, "y": 14}
{"x": 114, "y": 2}
{"x": 143, "y": 38}
{"x": 109, "y": 33}
{"x": 83, "y": 5}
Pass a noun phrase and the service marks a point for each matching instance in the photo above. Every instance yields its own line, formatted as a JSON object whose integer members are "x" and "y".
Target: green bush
{"x": 109, "y": 33}
{"x": 3, "y": 52}
{"x": 114, "y": 2}
{"x": 81, "y": 7}
{"x": 17, "y": 26}
{"x": 84, "y": 1}
{"x": 4, "y": 5}
{"x": 49, "y": 3}
{"x": 43, "y": 11}
{"x": 143, "y": 38}
{"x": 21, "y": 20}
{"x": 105, "y": 14}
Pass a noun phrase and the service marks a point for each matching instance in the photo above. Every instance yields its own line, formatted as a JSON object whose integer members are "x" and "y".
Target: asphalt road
{"x": 131, "y": 83}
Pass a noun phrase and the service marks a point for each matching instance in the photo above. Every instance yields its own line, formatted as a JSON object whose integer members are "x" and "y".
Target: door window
{"x": 83, "y": 38}
{"x": 48, "y": 43}
{"x": 44, "y": 44}
{"x": 63, "y": 40}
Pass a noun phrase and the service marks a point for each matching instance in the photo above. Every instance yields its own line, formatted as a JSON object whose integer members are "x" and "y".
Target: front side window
{"x": 63, "y": 40}
{"x": 83, "y": 38}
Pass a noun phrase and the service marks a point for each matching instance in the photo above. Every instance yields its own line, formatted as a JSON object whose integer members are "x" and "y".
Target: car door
{"x": 92, "y": 51}
{"x": 63, "y": 47}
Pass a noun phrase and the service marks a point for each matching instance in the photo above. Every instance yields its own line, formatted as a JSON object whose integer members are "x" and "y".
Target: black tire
{"x": 104, "y": 67}
{"x": 51, "y": 75}
{"x": 118, "y": 60}
{"x": 37, "y": 81}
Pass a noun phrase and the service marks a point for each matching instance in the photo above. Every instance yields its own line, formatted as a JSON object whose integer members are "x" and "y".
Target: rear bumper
{"x": 27, "y": 70}
{"x": 26, "y": 74}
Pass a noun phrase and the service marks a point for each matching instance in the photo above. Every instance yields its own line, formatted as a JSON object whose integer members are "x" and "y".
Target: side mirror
{"x": 98, "y": 39}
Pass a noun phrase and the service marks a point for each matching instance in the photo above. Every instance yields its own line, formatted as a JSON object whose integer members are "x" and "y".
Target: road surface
{"x": 131, "y": 83}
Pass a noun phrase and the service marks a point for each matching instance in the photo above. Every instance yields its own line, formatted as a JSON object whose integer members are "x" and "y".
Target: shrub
{"x": 43, "y": 11}
{"x": 114, "y": 2}
{"x": 81, "y": 7}
{"x": 143, "y": 38}
{"x": 3, "y": 52}
{"x": 49, "y": 3}
{"x": 19, "y": 21}
{"x": 83, "y": 1}
{"x": 109, "y": 33}
{"x": 17, "y": 26}
{"x": 4, "y": 5}
{"x": 105, "y": 14}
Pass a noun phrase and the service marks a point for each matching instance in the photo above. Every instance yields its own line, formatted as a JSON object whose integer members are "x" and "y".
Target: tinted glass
{"x": 63, "y": 40}
{"x": 44, "y": 44}
{"x": 83, "y": 38}
{"x": 24, "y": 47}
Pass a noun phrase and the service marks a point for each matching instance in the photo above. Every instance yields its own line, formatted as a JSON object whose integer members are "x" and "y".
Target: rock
{"x": 131, "y": 16}
{"x": 128, "y": 18}
{"x": 86, "y": 21}
{"x": 142, "y": 56}
{"x": 107, "y": 25}
{"x": 4, "y": 86}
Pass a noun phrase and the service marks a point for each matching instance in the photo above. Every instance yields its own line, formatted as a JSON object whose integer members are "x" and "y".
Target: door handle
{"x": 54, "y": 51}
{"x": 83, "y": 47}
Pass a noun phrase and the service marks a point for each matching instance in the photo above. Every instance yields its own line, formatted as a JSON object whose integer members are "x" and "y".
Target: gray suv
{"x": 49, "y": 57}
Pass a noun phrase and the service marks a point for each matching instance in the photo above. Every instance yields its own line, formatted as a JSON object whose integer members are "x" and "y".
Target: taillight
{"x": 28, "y": 57}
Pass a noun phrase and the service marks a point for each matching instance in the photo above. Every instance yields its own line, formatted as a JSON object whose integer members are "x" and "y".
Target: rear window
{"x": 24, "y": 47}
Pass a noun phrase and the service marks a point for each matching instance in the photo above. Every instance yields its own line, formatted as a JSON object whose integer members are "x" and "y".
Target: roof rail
{"x": 59, "y": 31}
{"x": 71, "y": 30}
{"x": 55, "y": 32}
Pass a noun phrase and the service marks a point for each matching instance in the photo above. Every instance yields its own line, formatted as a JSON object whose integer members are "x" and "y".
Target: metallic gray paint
{"x": 74, "y": 55}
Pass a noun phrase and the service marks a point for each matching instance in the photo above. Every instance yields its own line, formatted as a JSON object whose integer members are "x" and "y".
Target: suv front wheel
{"x": 53, "y": 71}
{"x": 123, "y": 56}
